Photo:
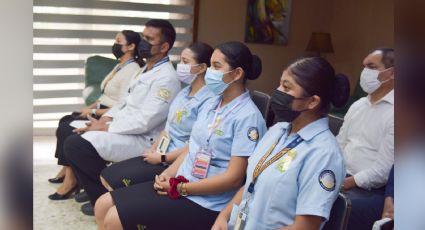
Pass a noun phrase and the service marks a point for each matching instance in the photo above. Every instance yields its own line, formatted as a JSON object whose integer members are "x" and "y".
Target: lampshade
{"x": 320, "y": 43}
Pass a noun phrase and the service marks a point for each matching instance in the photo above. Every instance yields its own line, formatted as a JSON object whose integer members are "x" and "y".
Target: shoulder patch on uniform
{"x": 327, "y": 180}
{"x": 164, "y": 93}
{"x": 253, "y": 134}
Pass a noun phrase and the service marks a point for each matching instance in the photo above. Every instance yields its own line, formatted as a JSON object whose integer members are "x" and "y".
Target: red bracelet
{"x": 172, "y": 192}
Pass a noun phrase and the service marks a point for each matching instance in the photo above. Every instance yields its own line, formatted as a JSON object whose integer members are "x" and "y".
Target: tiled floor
{"x": 53, "y": 215}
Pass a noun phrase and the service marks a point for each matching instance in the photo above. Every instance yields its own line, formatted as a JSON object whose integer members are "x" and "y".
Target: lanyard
{"x": 261, "y": 166}
{"x": 162, "y": 61}
{"x": 217, "y": 120}
{"x": 120, "y": 67}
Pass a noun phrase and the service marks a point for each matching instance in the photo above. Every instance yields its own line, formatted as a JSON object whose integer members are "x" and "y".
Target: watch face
{"x": 183, "y": 188}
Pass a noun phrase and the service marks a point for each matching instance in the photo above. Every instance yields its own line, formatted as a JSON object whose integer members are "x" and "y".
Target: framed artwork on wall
{"x": 267, "y": 21}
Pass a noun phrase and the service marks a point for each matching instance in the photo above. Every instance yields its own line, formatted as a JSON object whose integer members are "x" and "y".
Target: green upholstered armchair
{"x": 96, "y": 69}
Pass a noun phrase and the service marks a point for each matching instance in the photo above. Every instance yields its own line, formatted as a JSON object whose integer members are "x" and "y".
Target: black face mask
{"x": 117, "y": 50}
{"x": 281, "y": 104}
{"x": 144, "y": 49}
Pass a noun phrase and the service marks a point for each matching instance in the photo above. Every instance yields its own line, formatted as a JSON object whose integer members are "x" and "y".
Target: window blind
{"x": 67, "y": 32}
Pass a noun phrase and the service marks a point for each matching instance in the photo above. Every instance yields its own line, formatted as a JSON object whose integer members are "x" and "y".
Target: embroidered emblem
{"x": 164, "y": 93}
{"x": 286, "y": 161}
{"x": 327, "y": 180}
{"x": 180, "y": 114}
{"x": 126, "y": 182}
{"x": 219, "y": 132}
{"x": 253, "y": 134}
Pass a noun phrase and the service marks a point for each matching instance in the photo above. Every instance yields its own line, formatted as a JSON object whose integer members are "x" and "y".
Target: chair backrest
{"x": 357, "y": 94}
{"x": 335, "y": 123}
{"x": 96, "y": 69}
{"x": 262, "y": 101}
{"x": 340, "y": 213}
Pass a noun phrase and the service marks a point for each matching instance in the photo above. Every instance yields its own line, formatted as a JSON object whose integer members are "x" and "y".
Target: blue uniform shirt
{"x": 306, "y": 184}
{"x": 182, "y": 115}
{"x": 236, "y": 135}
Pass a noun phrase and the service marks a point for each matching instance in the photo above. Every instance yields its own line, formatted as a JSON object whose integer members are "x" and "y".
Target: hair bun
{"x": 256, "y": 68}
{"x": 341, "y": 91}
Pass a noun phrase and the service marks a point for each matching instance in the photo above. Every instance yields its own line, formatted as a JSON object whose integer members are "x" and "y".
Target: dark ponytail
{"x": 256, "y": 68}
{"x": 317, "y": 77}
{"x": 134, "y": 38}
{"x": 238, "y": 55}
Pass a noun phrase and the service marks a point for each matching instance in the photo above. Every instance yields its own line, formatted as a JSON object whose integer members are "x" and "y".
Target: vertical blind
{"x": 67, "y": 32}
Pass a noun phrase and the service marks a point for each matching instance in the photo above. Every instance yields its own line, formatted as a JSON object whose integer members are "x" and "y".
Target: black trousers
{"x": 130, "y": 172}
{"x": 86, "y": 165}
{"x": 63, "y": 131}
{"x": 366, "y": 207}
{"x": 139, "y": 205}
{"x": 365, "y": 211}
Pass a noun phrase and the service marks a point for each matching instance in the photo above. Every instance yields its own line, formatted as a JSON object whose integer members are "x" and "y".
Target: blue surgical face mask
{"x": 214, "y": 81}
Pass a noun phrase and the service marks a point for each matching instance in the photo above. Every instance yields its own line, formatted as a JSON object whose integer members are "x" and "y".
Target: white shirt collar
{"x": 389, "y": 97}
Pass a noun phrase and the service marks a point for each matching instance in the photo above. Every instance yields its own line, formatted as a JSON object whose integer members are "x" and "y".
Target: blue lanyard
{"x": 162, "y": 61}
{"x": 120, "y": 67}
{"x": 262, "y": 165}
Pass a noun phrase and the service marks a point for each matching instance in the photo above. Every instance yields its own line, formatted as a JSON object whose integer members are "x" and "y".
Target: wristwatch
{"x": 163, "y": 159}
{"x": 93, "y": 112}
{"x": 181, "y": 188}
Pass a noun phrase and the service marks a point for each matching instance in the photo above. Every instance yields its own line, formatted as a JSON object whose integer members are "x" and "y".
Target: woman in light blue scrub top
{"x": 202, "y": 180}
{"x": 182, "y": 115}
{"x": 297, "y": 169}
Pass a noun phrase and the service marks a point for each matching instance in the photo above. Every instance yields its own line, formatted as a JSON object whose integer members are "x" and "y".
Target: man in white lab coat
{"x": 130, "y": 126}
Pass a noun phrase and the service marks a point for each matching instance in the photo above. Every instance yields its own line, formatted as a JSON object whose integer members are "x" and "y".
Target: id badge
{"x": 201, "y": 164}
{"x": 240, "y": 221}
{"x": 163, "y": 144}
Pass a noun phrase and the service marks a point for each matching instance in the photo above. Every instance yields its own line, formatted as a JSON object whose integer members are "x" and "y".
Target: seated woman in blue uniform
{"x": 202, "y": 180}
{"x": 296, "y": 170}
{"x": 114, "y": 88}
{"x": 182, "y": 115}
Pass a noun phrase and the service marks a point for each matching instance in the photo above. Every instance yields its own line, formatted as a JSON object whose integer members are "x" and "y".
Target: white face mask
{"x": 184, "y": 74}
{"x": 369, "y": 80}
